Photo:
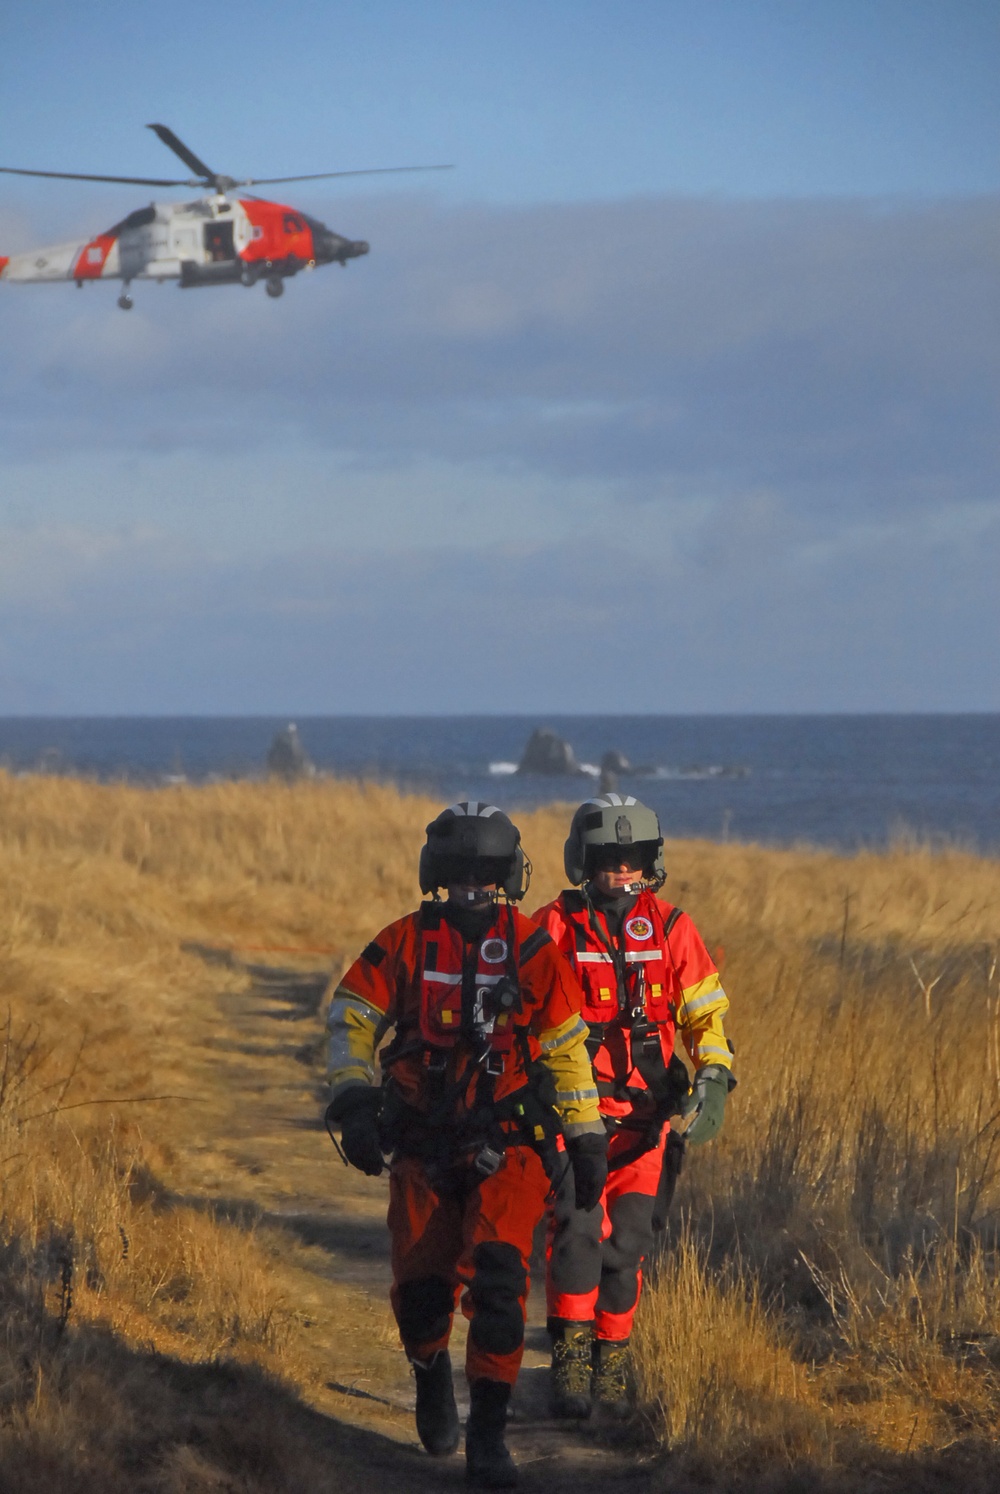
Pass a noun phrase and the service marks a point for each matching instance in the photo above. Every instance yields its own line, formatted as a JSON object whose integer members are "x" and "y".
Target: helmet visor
{"x": 477, "y": 871}
{"x": 636, "y": 858}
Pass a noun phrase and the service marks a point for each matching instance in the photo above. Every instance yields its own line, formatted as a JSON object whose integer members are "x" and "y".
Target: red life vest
{"x": 630, "y": 979}
{"x": 637, "y": 960}
{"x": 457, "y": 982}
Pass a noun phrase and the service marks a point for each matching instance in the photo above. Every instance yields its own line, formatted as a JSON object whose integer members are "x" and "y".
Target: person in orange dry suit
{"x": 646, "y": 974}
{"x": 487, "y": 1095}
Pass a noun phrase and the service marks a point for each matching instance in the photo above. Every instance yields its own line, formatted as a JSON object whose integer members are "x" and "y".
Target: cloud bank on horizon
{"x": 764, "y": 432}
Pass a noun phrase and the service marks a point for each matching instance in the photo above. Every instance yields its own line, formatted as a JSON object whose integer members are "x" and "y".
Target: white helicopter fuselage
{"x": 211, "y": 241}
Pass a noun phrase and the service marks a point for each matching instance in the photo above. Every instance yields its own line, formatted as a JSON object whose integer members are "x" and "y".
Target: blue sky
{"x": 678, "y": 393}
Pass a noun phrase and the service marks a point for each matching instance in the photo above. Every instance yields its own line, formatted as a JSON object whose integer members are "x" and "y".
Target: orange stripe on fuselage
{"x": 279, "y": 232}
{"x": 4, "y": 262}
{"x": 93, "y": 256}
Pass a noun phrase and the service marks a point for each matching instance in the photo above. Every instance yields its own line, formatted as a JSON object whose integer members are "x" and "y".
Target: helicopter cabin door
{"x": 219, "y": 245}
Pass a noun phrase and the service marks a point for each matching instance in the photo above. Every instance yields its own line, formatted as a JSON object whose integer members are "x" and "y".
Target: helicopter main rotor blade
{"x": 315, "y": 176}
{"x": 81, "y": 176}
{"x": 180, "y": 149}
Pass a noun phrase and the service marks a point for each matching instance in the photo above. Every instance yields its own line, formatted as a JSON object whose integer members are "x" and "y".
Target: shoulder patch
{"x": 532, "y": 945}
{"x": 373, "y": 953}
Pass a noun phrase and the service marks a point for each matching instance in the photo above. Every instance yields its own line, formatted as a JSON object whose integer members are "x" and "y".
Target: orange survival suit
{"x": 488, "y": 1062}
{"x": 646, "y": 974}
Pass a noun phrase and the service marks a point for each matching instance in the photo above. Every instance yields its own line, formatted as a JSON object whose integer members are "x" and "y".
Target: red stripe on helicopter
{"x": 92, "y": 257}
{"x": 278, "y": 232}
{"x": 4, "y": 262}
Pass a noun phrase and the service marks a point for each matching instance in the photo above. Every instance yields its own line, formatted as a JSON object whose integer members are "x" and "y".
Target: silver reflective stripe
{"x": 690, "y": 1007}
{"x": 635, "y": 955}
{"x": 340, "y": 1059}
{"x": 567, "y": 1037}
{"x": 442, "y": 978}
{"x": 341, "y": 1005}
{"x": 572, "y": 1096}
{"x": 703, "y": 1049}
{"x": 591, "y": 957}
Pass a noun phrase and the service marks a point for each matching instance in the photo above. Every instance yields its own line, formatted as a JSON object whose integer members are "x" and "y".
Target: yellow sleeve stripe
{"x": 557, "y": 1037}
{"x": 716, "y": 1000}
{"x": 711, "y": 1050}
{"x": 701, "y": 988}
{"x": 575, "y": 1096}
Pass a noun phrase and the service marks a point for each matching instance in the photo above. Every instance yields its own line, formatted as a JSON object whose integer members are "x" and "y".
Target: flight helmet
{"x": 610, "y": 822}
{"x": 473, "y": 832}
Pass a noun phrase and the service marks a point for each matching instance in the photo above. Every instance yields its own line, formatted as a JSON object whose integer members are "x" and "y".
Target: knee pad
{"x": 631, "y": 1238}
{"x": 499, "y": 1285}
{"x": 425, "y": 1308}
{"x": 575, "y": 1259}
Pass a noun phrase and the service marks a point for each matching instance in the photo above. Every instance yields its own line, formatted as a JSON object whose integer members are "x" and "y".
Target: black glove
{"x": 589, "y": 1156}
{"x": 357, "y": 1110}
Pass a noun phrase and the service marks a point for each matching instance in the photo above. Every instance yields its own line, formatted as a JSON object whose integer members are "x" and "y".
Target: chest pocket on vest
{"x": 441, "y": 991}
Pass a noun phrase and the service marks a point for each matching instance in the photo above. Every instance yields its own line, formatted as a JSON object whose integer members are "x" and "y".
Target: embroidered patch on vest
{"x": 639, "y": 928}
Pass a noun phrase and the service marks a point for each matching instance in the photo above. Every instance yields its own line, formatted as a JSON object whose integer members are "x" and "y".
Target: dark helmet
{"x": 472, "y": 831}
{"x": 613, "y": 820}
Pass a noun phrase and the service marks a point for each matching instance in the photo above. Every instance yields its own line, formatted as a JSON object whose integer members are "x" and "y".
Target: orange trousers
{"x": 472, "y": 1244}
{"x": 594, "y": 1260}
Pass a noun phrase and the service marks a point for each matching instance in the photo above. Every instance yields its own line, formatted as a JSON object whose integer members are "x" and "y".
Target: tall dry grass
{"x": 828, "y": 1293}
{"x": 850, "y": 1215}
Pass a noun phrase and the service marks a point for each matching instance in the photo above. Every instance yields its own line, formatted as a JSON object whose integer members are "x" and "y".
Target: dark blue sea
{"x": 842, "y": 781}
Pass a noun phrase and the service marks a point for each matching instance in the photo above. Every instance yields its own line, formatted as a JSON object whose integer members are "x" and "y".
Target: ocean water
{"x": 841, "y": 781}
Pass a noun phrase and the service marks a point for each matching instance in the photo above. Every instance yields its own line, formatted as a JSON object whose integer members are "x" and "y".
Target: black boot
{"x": 569, "y": 1377}
{"x": 488, "y": 1464}
{"x": 612, "y": 1363}
{"x": 437, "y": 1414}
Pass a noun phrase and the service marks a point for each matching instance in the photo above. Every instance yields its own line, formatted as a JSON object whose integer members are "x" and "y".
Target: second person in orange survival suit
{"x": 646, "y": 974}
{"x": 487, "y": 1066}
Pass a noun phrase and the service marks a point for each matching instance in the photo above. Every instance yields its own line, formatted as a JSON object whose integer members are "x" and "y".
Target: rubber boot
{"x": 610, "y": 1383}
{"x": 437, "y": 1415}
{"x": 570, "y": 1375}
{"x": 488, "y": 1464}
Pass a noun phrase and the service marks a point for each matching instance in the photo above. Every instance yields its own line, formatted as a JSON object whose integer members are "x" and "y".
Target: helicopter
{"x": 211, "y": 241}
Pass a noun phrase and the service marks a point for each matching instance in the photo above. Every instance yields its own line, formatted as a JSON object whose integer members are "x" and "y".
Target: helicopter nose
{"x": 330, "y": 247}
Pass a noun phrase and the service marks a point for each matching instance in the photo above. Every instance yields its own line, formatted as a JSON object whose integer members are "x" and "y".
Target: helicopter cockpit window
{"x": 139, "y": 219}
{"x": 293, "y": 223}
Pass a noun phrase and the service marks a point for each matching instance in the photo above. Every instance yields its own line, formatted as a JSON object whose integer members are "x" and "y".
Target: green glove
{"x": 707, "y": 1103}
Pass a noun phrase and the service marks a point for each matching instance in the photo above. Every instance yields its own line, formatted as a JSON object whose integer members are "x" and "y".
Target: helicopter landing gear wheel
{"x": 248, "y": 277}
{"x": 125, "y": 301}
{"x": 275, "y": 287}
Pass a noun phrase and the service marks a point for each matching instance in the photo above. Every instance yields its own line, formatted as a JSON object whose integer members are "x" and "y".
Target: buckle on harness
{"x": 487, "y": 1161}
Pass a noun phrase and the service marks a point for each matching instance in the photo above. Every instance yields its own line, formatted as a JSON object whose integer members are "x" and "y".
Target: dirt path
{"x": 257, "y": 1150}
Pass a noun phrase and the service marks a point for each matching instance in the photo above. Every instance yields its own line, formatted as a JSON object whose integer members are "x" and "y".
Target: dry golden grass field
{"x": 193, "y": 1287}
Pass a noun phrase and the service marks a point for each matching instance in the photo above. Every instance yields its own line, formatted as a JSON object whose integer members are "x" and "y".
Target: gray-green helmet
{"x": 613, "y": 820}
